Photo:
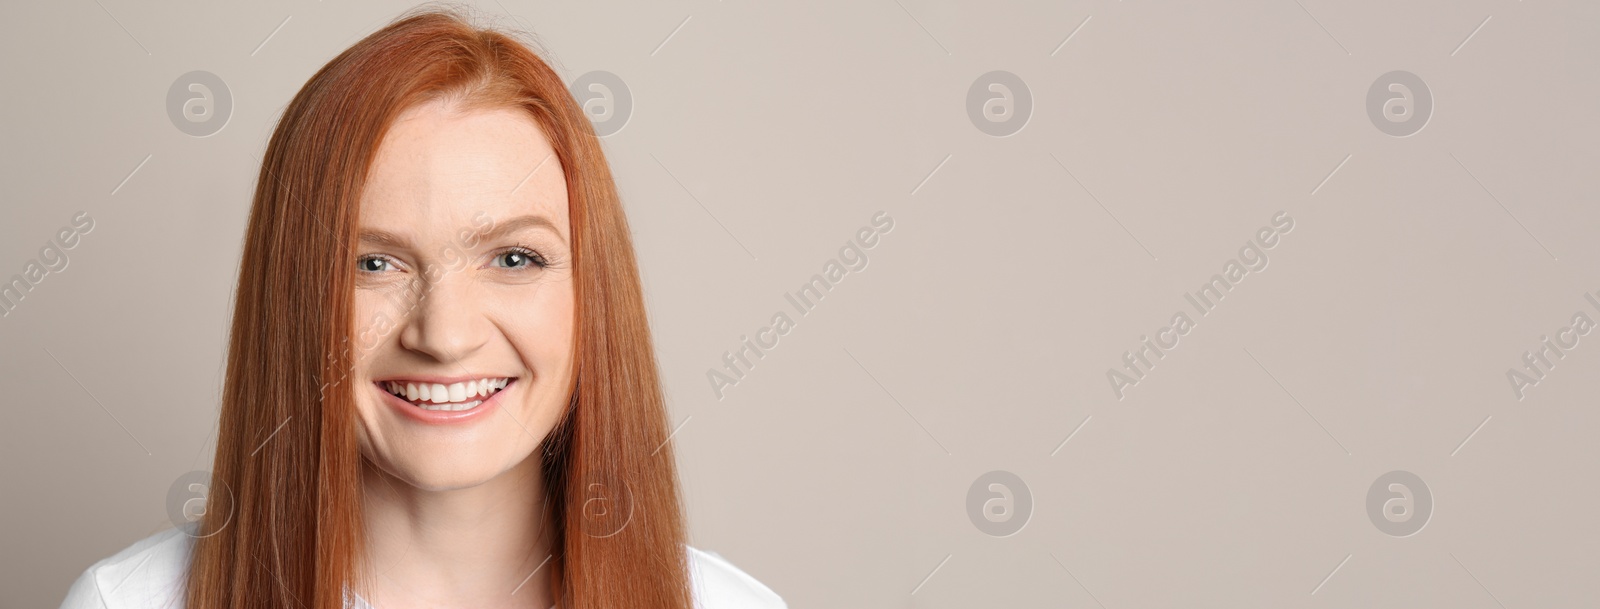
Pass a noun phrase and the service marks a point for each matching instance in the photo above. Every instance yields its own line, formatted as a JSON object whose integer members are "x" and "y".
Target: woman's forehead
{"x": 438, "y": 165}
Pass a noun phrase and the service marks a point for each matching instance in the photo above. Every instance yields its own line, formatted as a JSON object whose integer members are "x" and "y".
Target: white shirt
{"x": 150, "y": 575}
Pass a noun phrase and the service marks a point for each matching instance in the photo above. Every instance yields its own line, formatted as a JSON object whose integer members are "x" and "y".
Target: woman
{"x": 441, "y": 389}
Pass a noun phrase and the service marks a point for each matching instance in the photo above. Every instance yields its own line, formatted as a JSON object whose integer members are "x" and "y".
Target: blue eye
{"x": 373, "y": 264}
{"x": 519, "y": 257}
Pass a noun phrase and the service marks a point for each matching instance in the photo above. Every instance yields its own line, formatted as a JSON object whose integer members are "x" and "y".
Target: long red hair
{"x": 288, "y": 532}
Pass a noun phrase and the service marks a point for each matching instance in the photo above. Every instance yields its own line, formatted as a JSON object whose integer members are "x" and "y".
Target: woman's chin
{"x": 438, "y": 477}
{"x": 443, "y": 470}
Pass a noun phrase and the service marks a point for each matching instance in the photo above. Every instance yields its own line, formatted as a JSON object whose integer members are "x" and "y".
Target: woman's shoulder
{"x": 148, "y": 573}
{"x": 720, "y": 585}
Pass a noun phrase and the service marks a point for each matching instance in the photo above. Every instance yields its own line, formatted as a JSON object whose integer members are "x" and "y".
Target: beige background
{"x": 978, "y": 339}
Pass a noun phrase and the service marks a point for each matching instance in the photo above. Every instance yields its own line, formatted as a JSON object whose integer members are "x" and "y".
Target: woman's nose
{"x": 445, "y": 320}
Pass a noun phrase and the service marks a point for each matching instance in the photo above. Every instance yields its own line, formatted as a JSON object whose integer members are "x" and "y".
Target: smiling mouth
{"x": 464, "y": 395}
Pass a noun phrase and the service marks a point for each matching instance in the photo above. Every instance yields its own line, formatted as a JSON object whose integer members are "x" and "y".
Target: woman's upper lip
{"x": 440, "y": 380}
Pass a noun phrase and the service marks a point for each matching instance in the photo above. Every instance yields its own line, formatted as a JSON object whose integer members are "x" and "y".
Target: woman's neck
{"x": 472, "y": 547}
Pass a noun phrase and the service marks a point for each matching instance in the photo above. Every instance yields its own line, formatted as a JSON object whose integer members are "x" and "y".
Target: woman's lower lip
{"x": 422, "y": 415}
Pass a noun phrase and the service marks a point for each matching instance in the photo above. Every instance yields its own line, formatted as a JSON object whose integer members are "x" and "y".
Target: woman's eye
{"x": 517, "y": 259}
{"x": 373, "y": 264}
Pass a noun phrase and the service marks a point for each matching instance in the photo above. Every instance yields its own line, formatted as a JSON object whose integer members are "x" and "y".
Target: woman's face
{"x": 463, "y": 290}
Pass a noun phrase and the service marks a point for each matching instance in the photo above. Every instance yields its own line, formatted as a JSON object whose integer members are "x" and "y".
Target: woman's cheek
{"x": 539, "y": 321}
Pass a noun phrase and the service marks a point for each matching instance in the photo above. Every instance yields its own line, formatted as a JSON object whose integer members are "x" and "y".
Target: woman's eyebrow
{"x": 379, "y": 237}
{"x": 513, "y": 225}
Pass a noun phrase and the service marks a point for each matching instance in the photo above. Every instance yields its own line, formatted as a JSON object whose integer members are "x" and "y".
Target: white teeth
{"x": 452, "y": 407}
{"x": 453, "y": 397}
